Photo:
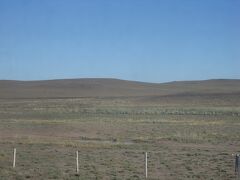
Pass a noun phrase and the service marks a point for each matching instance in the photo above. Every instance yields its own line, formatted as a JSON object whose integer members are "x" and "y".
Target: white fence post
{"x": 77, "y": 162}
{"x": 146, "y": 165}
{"x": 14, "y": 157}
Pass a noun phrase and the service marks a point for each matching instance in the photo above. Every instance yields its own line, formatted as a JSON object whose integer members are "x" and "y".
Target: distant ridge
{"x": 103, "y": 87}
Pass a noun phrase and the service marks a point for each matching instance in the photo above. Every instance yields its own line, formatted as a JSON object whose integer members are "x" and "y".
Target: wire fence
{"x": 97, "y": 165}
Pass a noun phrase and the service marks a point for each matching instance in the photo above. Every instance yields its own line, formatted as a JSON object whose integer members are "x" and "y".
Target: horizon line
{"x": 105, "y": 78}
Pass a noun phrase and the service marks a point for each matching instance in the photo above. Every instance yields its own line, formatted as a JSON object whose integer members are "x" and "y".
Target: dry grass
{"x": 183, "y": 141}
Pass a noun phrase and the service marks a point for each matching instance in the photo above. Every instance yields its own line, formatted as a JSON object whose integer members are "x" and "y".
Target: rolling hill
{"x": 94, "y": 87}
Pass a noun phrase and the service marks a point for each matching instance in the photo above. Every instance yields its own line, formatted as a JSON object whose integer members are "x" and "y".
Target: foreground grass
{"x": 107, "y": 161}
{"x": 184, "y": 142}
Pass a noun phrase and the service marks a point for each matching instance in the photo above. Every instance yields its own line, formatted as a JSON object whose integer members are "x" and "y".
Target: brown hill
{"x": 93, "y": 87}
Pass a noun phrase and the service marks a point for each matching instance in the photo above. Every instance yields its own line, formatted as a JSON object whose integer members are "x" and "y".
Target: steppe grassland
{"x": 185, "y": 140}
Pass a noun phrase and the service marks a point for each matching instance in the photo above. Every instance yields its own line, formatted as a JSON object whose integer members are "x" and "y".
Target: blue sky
{"x": 143, "y": 40}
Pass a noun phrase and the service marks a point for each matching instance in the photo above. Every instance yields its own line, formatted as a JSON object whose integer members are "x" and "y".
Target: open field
{"x": 188, "y": 136}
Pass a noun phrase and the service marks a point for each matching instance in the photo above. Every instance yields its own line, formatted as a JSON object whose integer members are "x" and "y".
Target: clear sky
{"x": 143, "y": 40}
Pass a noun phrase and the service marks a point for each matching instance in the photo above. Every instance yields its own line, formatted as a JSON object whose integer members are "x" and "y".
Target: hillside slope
{"x": 93, "y": 87}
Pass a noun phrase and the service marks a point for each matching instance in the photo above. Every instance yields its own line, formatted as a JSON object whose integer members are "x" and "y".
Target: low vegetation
{"x": 184, "y": 140}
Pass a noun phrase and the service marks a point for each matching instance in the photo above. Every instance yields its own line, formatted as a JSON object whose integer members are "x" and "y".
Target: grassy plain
{"x": 187, "y": 137}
